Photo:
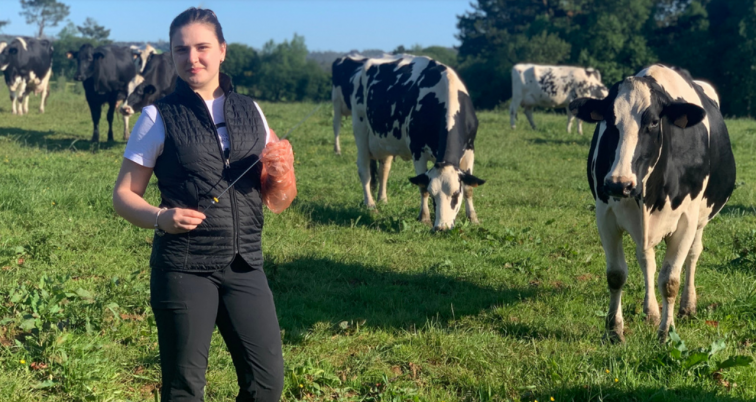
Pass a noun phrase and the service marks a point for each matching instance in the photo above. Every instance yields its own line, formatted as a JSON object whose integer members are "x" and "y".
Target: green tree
{"x": 43, "y": 13}
{"x": 286, "y": 74}
{"x": 69, "y": 39}
{"x": 242, "y": 64}
{"x": 442, "y": 54}
{"x": 90, "y": 29}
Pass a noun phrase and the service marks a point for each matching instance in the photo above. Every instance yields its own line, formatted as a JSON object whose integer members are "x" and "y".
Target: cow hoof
{"x": 383, "y": 200}
{"x": 370, "y": 206}
{"x": 473, "y": 218}
{"x": 686, "y": 312}
{"x": 425, "y": 220}
{"x": 662, "y": 336}
{"x": 614, "y": 337}
{"x": 653, "y": 319}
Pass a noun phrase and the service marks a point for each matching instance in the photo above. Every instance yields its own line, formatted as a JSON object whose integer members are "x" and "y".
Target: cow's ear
{"x": 72, "y": 54}
{"x": 149, "y": 89}
{"x": 684, "y": 114}
{"x": 471, "y": 180}
{"x": 588, "y": 109}
{"x": 134, "y": 55}
{"x": 421, "y": 180}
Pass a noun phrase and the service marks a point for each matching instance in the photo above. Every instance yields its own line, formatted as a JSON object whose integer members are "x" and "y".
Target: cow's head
{"x": 14, "y": 53}
{"x": 85, "y": 61}
{"x": 446, "y": 183}
{"x": 594, "y": 88}
{"x": 638, "y": 113}
{"x": 135, "y": 95}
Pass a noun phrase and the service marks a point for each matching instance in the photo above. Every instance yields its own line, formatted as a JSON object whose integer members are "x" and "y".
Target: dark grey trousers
{"x": 238, "y": 300}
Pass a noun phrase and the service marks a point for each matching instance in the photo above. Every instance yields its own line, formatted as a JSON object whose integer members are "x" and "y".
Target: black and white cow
{"x": 415, "y": 107}
{"x": 140, "y": 56}
{"x": 660, "y": 168}
{"x": 105, "y": 72}
{"x": 27, "y": 66}
{"x": 342, "y": 71}
{"x": 157, "y": 80}
{"x": 552, "y": 86}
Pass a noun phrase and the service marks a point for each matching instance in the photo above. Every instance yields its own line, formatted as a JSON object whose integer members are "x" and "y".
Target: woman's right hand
{"x": 179, "y": 220}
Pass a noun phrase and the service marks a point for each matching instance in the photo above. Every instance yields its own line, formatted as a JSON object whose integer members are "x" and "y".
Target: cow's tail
{"x": 373, "y": 174}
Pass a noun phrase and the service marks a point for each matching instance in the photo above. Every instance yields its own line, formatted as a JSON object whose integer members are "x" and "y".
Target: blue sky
{"x": 339, "y": 25}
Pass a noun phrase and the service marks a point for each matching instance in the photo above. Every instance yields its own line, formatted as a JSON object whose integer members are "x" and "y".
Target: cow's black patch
{"x": 342, "y": 71}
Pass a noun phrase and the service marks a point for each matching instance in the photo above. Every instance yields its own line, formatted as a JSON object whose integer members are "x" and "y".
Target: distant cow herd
{"x": 660, "y": 164}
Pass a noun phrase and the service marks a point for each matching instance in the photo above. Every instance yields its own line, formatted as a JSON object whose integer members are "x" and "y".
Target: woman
{"x": 206, "y": 257}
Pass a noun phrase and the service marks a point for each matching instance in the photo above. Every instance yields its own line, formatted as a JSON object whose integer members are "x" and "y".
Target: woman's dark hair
{"x": 196, "y": 15}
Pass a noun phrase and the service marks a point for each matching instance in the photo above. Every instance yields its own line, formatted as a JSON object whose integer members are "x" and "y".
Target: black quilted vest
{"x": 193, "y": 169}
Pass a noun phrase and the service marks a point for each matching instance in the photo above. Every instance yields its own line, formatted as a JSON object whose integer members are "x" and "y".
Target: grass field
{"x": 372, "y": 306}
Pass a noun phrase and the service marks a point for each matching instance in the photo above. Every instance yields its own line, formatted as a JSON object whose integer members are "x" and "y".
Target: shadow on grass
{"x": 341, "y": 215}
{"x": 308, "y": 291}
{"x": 585, "y": 140}
{"x": 41, "y": 139}
{"x": 738, "y": 210}
{"x": 611, "y": 393}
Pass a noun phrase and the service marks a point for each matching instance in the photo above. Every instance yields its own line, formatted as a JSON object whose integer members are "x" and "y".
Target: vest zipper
{"x": 227, "y": 165}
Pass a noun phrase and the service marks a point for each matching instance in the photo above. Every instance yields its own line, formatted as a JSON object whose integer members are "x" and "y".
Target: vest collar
{"x": 225, "y": 83}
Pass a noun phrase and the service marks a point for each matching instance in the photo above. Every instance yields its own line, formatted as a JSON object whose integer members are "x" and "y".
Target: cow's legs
{"x": 95, "y": 109}
{"x": 44, "y": 95}
{"x": 688, "y": 299}
{"x": 421, "y": 166}
{"x": 616, "y": 271}
{"x": 529, "y": 114}
{"x": 678, "y": 248}
{"x": 25, "y": 103}
{"x": 570, "y": 118}
{"x": 647, "y": 262}
{"x": 125, "y": 127}
{"x": 363, "y": 159}
{"x": 14, "y": 103}
{"x": 110, "y": 115}
{"x": 383, "y": 174}
{"x": 466, "y": 165}
{"x": 513, "y": 106}
{"x": 336, "y": 121}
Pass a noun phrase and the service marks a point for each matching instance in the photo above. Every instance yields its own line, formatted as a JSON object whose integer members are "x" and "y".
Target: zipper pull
{"x": 228, "y": 165}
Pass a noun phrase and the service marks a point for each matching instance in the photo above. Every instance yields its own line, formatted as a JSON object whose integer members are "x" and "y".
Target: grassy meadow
{"x": 372, "y": 306}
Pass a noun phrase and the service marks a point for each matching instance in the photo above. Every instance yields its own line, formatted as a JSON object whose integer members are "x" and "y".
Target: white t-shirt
{"x": 148, "y": 136}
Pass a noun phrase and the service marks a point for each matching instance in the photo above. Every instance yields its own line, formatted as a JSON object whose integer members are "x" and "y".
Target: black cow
{"x": 342, "y": 71}
{"x": 418, "y": 108}
{"x": 660, "y": 168}
{"x": 27, "y": 66}
{"x": 157, "y": 80}
{"x": 105, "y": 72}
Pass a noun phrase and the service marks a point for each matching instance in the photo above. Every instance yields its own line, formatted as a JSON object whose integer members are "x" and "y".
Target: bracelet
{"x": 158, "y": 216}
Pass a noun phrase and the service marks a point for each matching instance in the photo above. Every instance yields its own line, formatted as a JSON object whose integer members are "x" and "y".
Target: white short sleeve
{"x": 265, "y": 124}
{"x": 147, "y": 138}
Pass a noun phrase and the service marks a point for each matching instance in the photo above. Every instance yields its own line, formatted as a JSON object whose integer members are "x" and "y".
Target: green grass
{"x": 372, "y": 306}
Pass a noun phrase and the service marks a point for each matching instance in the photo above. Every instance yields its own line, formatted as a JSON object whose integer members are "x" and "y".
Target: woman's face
{"x": 197, "y": 55}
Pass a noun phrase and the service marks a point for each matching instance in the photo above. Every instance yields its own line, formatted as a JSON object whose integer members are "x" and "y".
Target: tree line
{"x": 713, "y": 39}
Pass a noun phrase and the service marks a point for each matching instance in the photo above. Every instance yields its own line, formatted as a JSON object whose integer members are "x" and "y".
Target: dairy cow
{"x": 27, "y": 67}
{"x": 415, "y": 107}
{"x": 140, "y": 56}
{"x": 156, "y": 81}
{"x": 105, "y": 72}
{"x": 660, "y": 167}
{"x": 552, "y": 86}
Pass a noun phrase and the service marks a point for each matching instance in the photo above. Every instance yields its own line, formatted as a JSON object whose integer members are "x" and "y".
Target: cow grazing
{"x": 660, "y": 167}
{"x": 140, "y": 56}
{"x": 105, "y": 72}
{"x": 342, "y": 71}
{"x": 552, "y": 86}
{"x": 156, "y": 81}
{"x": 27, "y": 66}
{"x": 415, "y": 107}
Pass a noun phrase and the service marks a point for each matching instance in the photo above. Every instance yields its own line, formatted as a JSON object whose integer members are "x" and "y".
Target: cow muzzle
{"x": 126, "y": 110}
{"x": 619, "y": 187}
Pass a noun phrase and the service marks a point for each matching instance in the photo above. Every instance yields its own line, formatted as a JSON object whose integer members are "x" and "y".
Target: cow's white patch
{"x": 676, "y": 86}
{"x": 709, "y": 91}
{"x": 22, "y": 41}
{"x": 633, "y": 98}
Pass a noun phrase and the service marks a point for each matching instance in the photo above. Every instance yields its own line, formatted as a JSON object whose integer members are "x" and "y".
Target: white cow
{"x": 552, "y": 86}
